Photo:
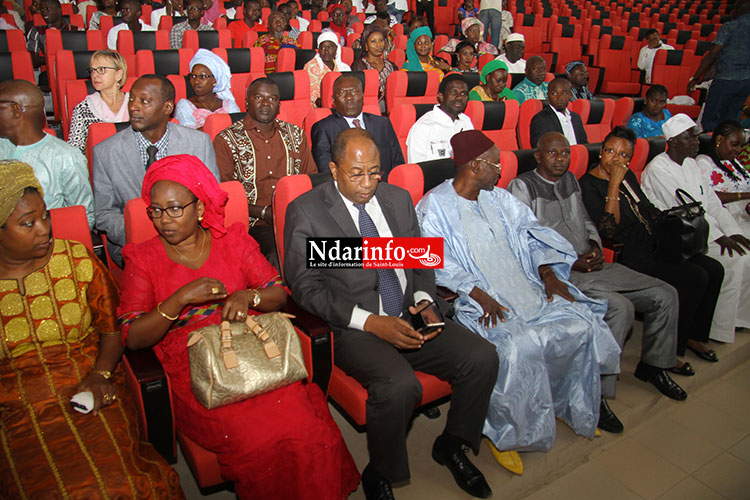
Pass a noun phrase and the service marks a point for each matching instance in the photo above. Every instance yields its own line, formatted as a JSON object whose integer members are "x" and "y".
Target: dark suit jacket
{"x": 325, "y": 131}
{"x": 333, "y": 293}
{"x": 546, "y": 121}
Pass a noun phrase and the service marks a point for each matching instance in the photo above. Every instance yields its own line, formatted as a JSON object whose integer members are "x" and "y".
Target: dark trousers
{"x": 462, "y": 358}
{"x": 266, "y": 239}
{"x": 698, "y": 282}
{"x": 427, "y": 9}
{"x": 724, "y": 101}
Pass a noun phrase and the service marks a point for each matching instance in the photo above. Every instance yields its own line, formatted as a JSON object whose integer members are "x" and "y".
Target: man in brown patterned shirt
{"x": 258, "y": 151}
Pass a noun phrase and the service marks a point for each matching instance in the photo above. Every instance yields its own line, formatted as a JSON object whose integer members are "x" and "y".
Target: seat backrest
{"x": 579, "y": 158}
{"x": 16, "y": 65}
{"x": 139, "y": 228}
{"x": 12, "y": 41}
{"x": 566, "y": 43}
{"x": 498, "y": 120}
{"x": 528, "y": 109}
{"x": 166, "y": 22}
{"x": 129, "y": 42}
{"x": 403, "y": 117}
{"x": 291, "y": 59}
{"x": 509, "y": 163}
{"x": 673, "y": 69}
{"x": 217, "y": 122}
{"x": 656, "y": 146}
{"x": 640, "y": 156}
{"x": 97, "y": 133}
{"x": 598, "y": 122}
{"x": 411, "y": 87}
{"x": 193, "y": 39}
{"x": 530, "y": 26}
{"x": 250, "y": 37}
{"x": 524, "y": 160}
{"x": 313, "y": 117}
{"x": 419, "y": 178}
{"x": 242, "y": 60}
{"x": 623, "y": 111}
{"x": 370, "y": 83}
{"x": 70, "y": 223}
{"x": 163, "y": 62}
{"x": 614, "y": 54}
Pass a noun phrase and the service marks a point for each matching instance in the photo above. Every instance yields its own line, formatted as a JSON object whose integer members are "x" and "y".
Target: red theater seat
{"x": 528, "y": 109}
{"x": 596, "y": 116}
{"x": 498, "y": 120}
{"x": 623, "y": 111}
{"x": 208, "y": 40}
{"x": 411, "y": 87}
{"x": 403, "y": 117}
{"x": 129, "y": 42}
{"x": 673, "y": 69}
{"x": 614, "y": 56}
{"x": 217, "y": 122}
{"x": 163, "y": 62}
{"x": 16, "y": 65}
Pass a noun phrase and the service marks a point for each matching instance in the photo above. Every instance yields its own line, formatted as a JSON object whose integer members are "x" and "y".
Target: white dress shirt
{"x": 646, "y": 58}
{"x": 430, "y": 137}
{"x": 359, "y": 315}
{"x": 516, "y": 67}
{"x": 113, "y": 33}
{"x": 567, "y": 125}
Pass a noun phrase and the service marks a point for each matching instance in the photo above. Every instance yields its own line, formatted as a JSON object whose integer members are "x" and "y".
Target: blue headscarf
{"x": 412, "y": 59}
{"x": 219, "y": 69}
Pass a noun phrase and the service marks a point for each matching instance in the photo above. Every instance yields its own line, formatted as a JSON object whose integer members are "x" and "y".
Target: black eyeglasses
{"x": 100, "y": 70}
{"x": 175, "y": 212}
{"x": 200, "y": 77}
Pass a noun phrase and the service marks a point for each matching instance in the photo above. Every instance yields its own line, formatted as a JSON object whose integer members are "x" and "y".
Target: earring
{"x": 200, "y": 218}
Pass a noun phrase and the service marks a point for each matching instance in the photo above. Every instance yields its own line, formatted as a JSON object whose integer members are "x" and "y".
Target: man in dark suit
{"x": 348, "y": 98}
{"x": 556, "y": 117}
{"x": 365, "y": 308}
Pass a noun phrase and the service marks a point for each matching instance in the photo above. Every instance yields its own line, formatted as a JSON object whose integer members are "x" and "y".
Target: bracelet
{"x": 170, "y": 318}
{"x": 263, "y": 212}
{"x": 607, "y": 198}
{"x": 256, "y": 298}
{"x": 104, "y": 373}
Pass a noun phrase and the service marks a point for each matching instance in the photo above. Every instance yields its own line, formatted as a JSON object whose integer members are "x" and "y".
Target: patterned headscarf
{"x": 468, "y": 22}
{"x": 491, "y": 66}
{"x": 17, "y": 176}
{"x": 572, "y": 64}
{"x": 219, "y": 69}
{"x": 412, "y": 59}
{"x": 190, "y": 172}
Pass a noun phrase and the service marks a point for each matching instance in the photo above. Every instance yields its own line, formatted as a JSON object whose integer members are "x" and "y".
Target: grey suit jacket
{"x": 333, "y": 293}
{"x": 119, "y": 172}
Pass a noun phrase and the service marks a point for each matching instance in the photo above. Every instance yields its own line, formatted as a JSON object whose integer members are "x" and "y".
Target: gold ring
{"x": 241, "y": 314}
{"x": 215, "y": 290}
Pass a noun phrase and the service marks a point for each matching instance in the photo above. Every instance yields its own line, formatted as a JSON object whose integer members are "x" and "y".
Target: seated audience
{"x": 533, "y": 86}
{"x": 648, "y": 123}
{"x": 337, "y": 23}
{"x": 510, "y": 274}
{"x": 292, "y": 31}
{"x": 556, "y": 117}
{"x": 466, "y": 58}
{"x": 131, "y": 20}
{"x": 419, "y": 53}
{"x": 194, "y": 10}
{"x": 648, "y": 52}
{"x": 730, "y": 180}
{"x": 465, "y": 11}
{"x": 296, "y": 14}
{"x": 251, "y": 16}
{"x": 104, "y": 8}
{"x": 473, "y": 30}
{"x": 49, "y": 450}
{"x": 299, "y": 453}
{"x": 515, "y": 46}
{"x": 258, "y": 151}
{"x": 121, "y": 160}
{"x": 61, "y": 169}
{"x": 553, "y": 194}
{"x": 51, "y": 12}
{"x": 348, "y": 98}
{"x": 275, "y": 40}
{"x": 109, "y": 103}
{"x": 211, "y": 11}
{"x": 316, "y": 6}
{"x": 209, "y": 79}
{"x": 416, "y": 22}
{"x": 171, "y": 8}
{"x": 326, "y": 60}
{"x": 492, "y": 86}
{"x": 382, "y": 8}
{"x": 373, "y": 56}
{"x": 579, "y": 80}
{"x": 622, "y": 213}
{"x": 430, "y": 136}
{"x": 365, "y": 307}
{"x": 348, "y": 8}
{"x": 677, "y": 168}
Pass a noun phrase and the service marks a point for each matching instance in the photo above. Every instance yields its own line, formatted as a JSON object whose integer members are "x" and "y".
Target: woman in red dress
{"x": 279, "y": 445}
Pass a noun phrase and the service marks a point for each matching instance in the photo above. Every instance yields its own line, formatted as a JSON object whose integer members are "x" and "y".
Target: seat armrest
{"x": 149, "y": 385}
{"x": 321, "y": 342}
{"x": 310, "y": 324}
{"x": 611, "y": 250}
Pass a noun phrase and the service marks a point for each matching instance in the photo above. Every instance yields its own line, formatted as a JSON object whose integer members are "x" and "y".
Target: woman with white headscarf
{"x": 209, "y": 79}
{"x": 326, "y": 60}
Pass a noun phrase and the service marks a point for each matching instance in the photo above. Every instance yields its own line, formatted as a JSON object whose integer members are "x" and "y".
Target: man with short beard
{"x": 579, "y": 80}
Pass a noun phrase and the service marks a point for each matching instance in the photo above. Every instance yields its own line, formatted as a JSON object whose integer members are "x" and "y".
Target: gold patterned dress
{"x": 50, "y": 322}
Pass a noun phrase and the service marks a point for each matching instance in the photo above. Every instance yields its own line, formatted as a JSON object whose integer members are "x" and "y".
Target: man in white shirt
{"x": 556, "y": 117}
{"x": 429, "y": 138}
{"x": 648, "y": 53}
{"x": 130, "y": 10}
{"x": 677, "y": 168}
{"x": 515, "y": 45}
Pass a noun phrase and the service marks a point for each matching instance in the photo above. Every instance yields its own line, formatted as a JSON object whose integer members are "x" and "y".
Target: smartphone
{"x": 420, "y": 321}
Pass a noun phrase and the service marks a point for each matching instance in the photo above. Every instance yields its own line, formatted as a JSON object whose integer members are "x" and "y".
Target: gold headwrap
{"x": 16, "y": 177}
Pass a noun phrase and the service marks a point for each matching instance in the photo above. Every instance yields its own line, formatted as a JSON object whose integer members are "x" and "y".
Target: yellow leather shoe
{"x": 510, "y": 460}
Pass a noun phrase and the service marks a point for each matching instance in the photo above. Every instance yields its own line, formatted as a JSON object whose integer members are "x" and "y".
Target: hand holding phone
{"x": 426, "y": 318}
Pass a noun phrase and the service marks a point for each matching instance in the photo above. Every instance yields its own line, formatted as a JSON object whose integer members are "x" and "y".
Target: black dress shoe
{"x": 686, "y": 370}
{"x": 660, "y": 379}
{"x": 608, "y": 421}
{"x": 709, "y": 355}
{"x": 467, "y": 477}
{"x": 431, "y": 413}
{"x": 375, "y": 486}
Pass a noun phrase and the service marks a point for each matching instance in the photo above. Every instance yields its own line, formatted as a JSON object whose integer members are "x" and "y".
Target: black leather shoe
{"x": 709, "y": 355}
{"x": 660, "y": 379}
{"x": 686, "y": 370}
{"x": 467, "y": 477}
{"x": 608, "y": 421}
{"x": 375, "y": 486}
{"x": 431, "y": 413}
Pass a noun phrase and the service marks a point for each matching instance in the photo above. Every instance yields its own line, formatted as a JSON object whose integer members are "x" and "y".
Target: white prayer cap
{"x": 515, "y": 37}
{"x": 677, "y": 125}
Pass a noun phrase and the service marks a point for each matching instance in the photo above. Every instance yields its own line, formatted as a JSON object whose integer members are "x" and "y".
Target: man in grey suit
{"x": 366, "y": 307}
{"x": 120, "y": 162}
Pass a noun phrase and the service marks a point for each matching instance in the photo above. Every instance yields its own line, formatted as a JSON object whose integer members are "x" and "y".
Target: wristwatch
{"x": 256, "y": 298}
{"x": 104, "y": 373}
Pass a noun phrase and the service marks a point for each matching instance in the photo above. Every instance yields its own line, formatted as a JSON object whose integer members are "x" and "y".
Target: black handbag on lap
{"x": 682, "y": 231}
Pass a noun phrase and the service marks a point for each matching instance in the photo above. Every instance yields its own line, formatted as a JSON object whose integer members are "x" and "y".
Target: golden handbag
{"x": 234, "y": 361}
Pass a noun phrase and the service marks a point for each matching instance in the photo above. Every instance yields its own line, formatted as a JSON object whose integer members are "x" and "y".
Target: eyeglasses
{"x": 200, "y": 77}
{"x": 498, "y": 167}
{"x": 100, "y": 70}
{"x": 565, "y": 153}
{"x": 174, "y": 212}
{"x": 358, "y": 178}
{"x": 623, "y": 154}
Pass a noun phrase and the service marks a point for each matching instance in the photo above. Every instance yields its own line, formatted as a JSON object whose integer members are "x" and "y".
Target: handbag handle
{"x": 272, "y": 350}
{"x": 227, "y": 351}
{"x": 681, "y": 194}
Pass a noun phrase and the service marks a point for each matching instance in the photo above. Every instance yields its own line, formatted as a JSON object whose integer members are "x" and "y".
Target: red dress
{"x": 279, "y": 445}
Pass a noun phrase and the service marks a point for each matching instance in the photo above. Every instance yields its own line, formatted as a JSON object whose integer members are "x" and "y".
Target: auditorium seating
{"x": 195, "y": 40}
{"x": 217, "y": 122}
{"x": 242, "y": 60}
{"x": 498, "y": 120}
{"x": 163, "y": 62}
{"x": 411, "y": 87}
{"x": 370, "y": 83}
{"x": 527, "y": 111}
{"x": 623, "y": 111}
{"x": 16, "y": 65}
{"x": 12, "y": 41}
{"x": 403, "y": 117}
{"x": 614, "y": 56}
{"x": 129, "y": 42}
{"x": 673, "y": 69}
{"x": 596, "y": 116}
